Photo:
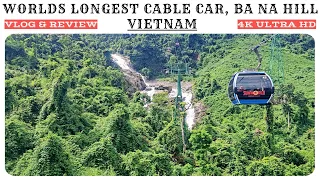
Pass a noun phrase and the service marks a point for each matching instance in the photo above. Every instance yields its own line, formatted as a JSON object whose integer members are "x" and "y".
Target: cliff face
{"x": 134, "y": 81}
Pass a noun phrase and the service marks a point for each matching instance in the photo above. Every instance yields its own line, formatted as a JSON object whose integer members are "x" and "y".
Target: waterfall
{"x": 125, "y": 65}
{"x": 121, "y": 62}
{"x": 150, "y": 90}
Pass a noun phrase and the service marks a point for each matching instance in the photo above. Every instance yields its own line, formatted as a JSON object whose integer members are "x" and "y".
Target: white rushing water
{"x": 190, "y": 113}
{"x": 125, "y": 65}
{"x": 190, "y": 109}
{"x": 121, "y": 62}
{"x": 150, "y": 90}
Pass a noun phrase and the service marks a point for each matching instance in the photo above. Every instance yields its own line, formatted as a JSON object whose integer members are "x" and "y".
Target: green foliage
{"x": 90, "y": 171}
{"x": 28, "y": 109}
{"x": 68, "y": 111}
{"x": 268, "y": 166}
{"x": 49, "y": 158}
{"x": 19, "y": 138}
{"x": 120, "y": 130}
{"x": 290, "y": 154}
{"x": 13, "y": 49}
{"x": 158, "y": 117}
{"x": 200, "y": 139}
{"x": 255, "y": 145}
{"x": 137, "y": 110}
{"x": 173, "y": 59}
{"x": 140, "y": 163}
{"x": 23, "y": 166}
{"x": 141, "y": 98}
{"x": 145, "y": 72}
{"x": 159, "y": 114}
{"x": 161, "y": 99}
{"x": 59, "y": 113}
{"x": 102, "y": 154}
{"x": 170, "y": 138}
{"x": 205, "y": 86}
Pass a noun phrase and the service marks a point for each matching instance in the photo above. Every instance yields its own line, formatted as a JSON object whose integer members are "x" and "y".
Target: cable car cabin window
{"x": 253, "y": 86}
{"x": 230, "y": 89}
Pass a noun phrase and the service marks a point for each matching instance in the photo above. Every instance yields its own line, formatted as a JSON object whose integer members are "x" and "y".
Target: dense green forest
{"x": 68, "y": 111}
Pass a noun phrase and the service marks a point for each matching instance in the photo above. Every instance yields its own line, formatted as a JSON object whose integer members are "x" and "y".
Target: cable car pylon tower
{"x": 179, "y": 68}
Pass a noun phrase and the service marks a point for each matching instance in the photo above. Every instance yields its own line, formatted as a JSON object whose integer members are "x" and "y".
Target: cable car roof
{"x": 251, "y": 73}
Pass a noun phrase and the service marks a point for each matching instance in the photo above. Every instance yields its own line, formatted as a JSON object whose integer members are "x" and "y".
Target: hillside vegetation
{"x": 68, "y": 111}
